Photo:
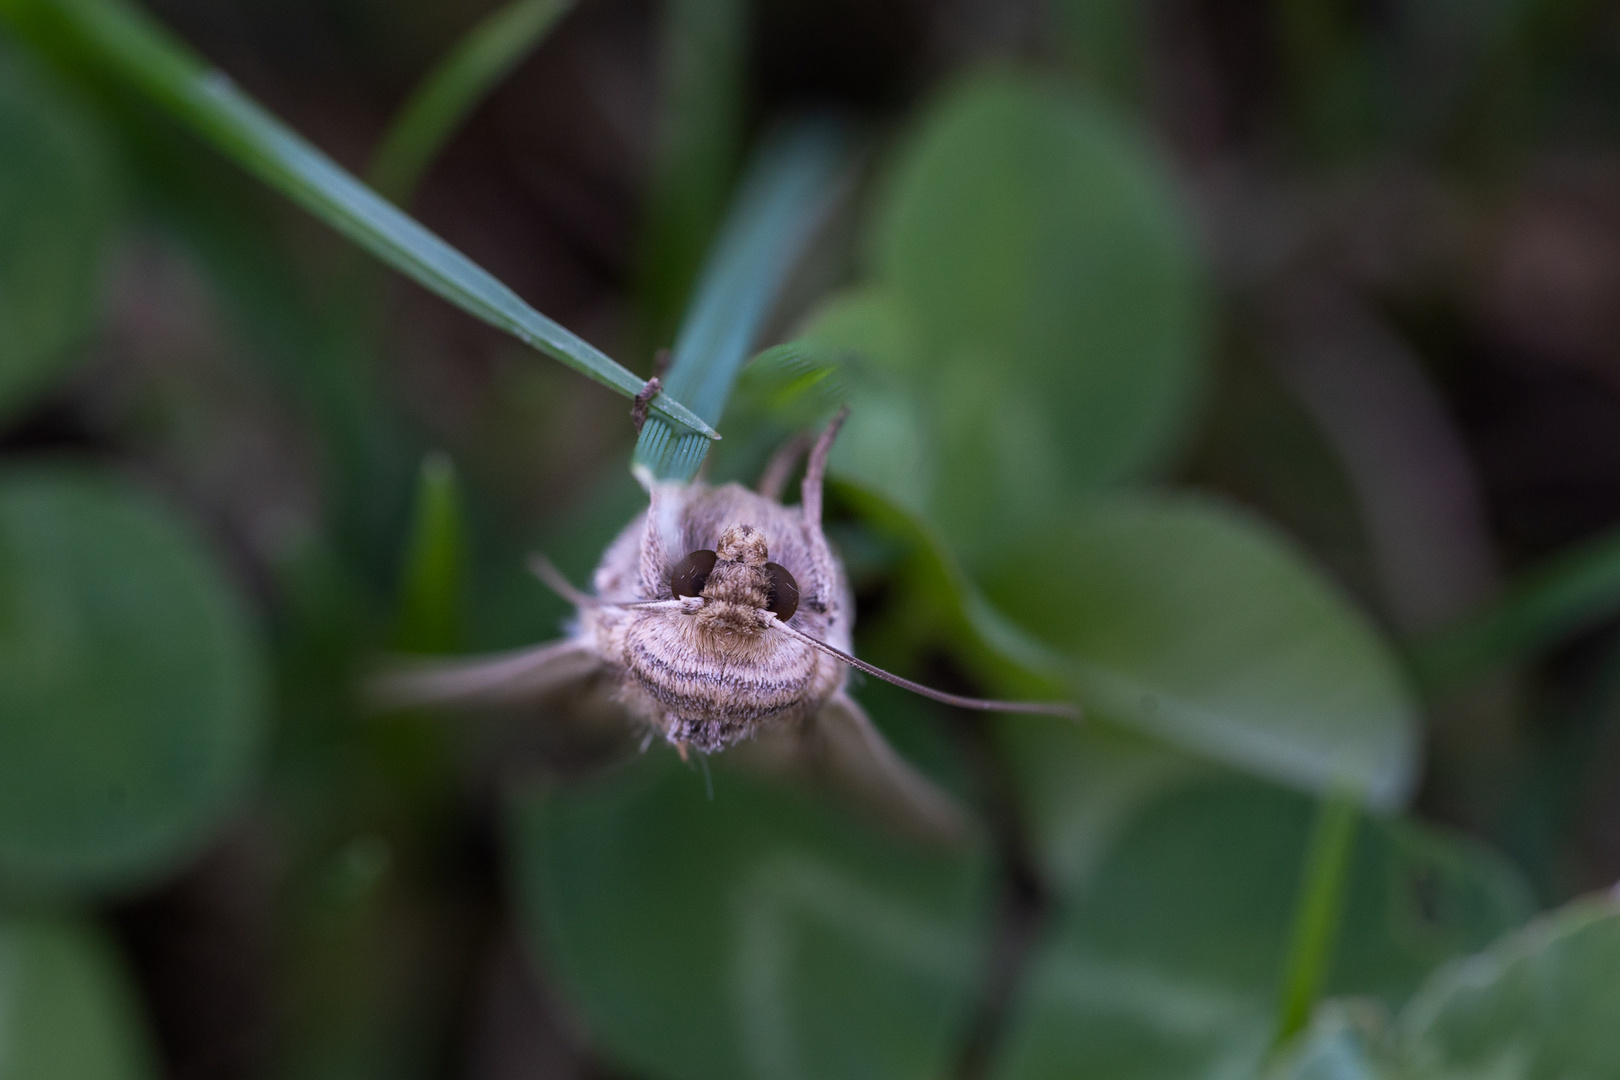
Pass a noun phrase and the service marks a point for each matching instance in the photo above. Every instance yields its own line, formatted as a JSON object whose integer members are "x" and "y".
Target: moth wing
{"x": 855, "y": 756}
{"x": 495, "y": 679}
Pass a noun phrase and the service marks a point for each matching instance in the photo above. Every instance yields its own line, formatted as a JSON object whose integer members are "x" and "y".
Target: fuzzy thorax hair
{"x": 707, "y": 675}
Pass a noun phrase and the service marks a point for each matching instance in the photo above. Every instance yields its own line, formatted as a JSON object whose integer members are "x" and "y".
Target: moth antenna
{"x": 816, "y": 470}
{"x": 1045, "y": 708}
{"x": 773, "y": 481}
{"x": 544, "y": 569}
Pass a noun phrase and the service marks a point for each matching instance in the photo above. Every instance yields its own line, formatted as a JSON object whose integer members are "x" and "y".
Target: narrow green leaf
{"x": 128, "y": 42}
{"x": 700, "y": 135}
{"x": 1573, "y": 592}
{"x": 453, "y": 89}
{"x": 788, "y": 192}
{"x": 68, "y": 1010}
{"x": 1321, "y": 902}
{"x": 430, "y": 615}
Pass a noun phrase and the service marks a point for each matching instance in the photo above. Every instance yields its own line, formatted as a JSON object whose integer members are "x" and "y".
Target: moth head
{"x": 736, "y": 581}
{"x": 743, "y": 544}
{"x": 703, "y": 575}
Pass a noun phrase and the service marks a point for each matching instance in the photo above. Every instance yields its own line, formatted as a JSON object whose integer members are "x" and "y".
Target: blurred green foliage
{"x": 1049, "y": 270}
{"x": 67, "y": 1007}
{"x": 1534, "y": 1005}
{"x": 133, "y": 683}
{"x": 1191, "y": 622}
{"x": 485, "y": 57}
{"x": 1169, "y": 962}
{"x": 58, "y": 198}
{"x": 433, "y": 585}
{"x": 124, "y": 40}
{"x": 1013, "y": 292}
{"x": 754, "y": 934}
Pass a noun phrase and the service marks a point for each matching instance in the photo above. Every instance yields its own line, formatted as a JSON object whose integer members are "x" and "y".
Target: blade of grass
{"x": 489, "y": 52}
{"x": 790, "y": 188}
{"x": 125, "y": 40}
{"x": 1315, "y": 932}
{"x": 429, "y": 618}
{"x": 699, "y": 141}
{"x": 1572, "y": 592}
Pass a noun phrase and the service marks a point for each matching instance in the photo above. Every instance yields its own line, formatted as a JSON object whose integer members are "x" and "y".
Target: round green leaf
{"x": 1190, "y": 621}
{"x": 886, "y": 443}
{"x": 1167, "y": 964}
{"x": 56, "y": 209}
{"x": 754, "y": 934}
{"x": 131, "y": 696}
{"x": 1044, "y": 252}
{"x": 66, "y": 1010}
{"x": 1540, "y": 1005}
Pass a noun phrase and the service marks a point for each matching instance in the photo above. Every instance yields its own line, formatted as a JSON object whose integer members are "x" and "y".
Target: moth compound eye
{"x": 692, "y": 573}
{"x": 784, "y": 591}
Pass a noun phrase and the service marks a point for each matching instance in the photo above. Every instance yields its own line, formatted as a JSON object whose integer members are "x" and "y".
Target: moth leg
{"x": 856, "y": 757}
{"x": 499, "y": 678}
{"x": 661, "y": 535}
{"x": 774, "y": 479}
{"x": 822, "y": 584}
{"x": 638, "y": 407}
{"x": 649, "y": 390}
{"x": 816, "y": 470}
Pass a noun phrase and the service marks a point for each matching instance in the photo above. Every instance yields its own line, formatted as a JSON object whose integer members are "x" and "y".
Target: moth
{"x": 723, "y": 618}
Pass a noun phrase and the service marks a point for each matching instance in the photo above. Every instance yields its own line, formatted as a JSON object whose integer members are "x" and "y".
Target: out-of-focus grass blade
{"x": 700, "y": 127}
{"x": 1321, "y": 903}
{"x": 787, "y": 193}
{"x": 1571, "y": 593}
{"x": 795, "y": 376}
{"x": 482, "y": 59}
{"x": 431, "y": 589}
{"x": 125, "y": 40}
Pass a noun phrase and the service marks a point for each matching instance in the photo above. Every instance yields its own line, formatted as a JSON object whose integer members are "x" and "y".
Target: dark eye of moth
{"x": 784, "y": 591}
{"x": 692, "y": 573}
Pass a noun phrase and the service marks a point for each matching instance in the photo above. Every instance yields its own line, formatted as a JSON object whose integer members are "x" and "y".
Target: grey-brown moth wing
{"x": 855, "y": 757}
{"x": 514, "y": 677}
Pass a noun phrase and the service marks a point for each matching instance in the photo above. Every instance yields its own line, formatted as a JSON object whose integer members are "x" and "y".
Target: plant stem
{"x": 1321, "y": 903}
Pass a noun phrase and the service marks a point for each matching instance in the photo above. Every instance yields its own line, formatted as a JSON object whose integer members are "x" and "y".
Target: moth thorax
{"x": 743, "y": 544}
{"x": 739, "y": 585}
